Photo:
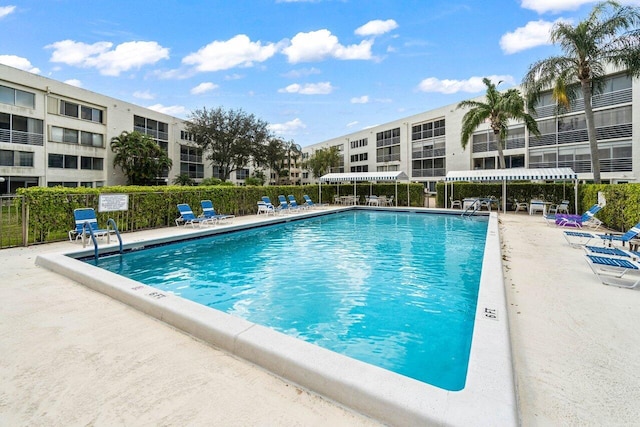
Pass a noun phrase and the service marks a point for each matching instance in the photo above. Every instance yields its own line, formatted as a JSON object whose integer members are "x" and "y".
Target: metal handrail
{"x": 475, "y": 206}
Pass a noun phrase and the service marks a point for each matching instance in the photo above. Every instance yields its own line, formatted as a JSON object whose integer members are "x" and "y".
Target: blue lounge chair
{"x": 612, "y": 271}
{"x": 284, "y": 206}
{"x": 209, "y": 212}
{"x": 294, "y": 205}
{"x": 88, "y": 216}
{"x": 601, "y": 250}
{"x": 309, "y": 202}
{"x": 270, "y": 205}
{"x": 588, "y": 218}
{"x": 188, "y": 218}
{"x": 608, "y": 237}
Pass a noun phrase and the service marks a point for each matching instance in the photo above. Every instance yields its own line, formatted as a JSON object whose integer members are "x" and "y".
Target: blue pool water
{"x": 394, "y": 289}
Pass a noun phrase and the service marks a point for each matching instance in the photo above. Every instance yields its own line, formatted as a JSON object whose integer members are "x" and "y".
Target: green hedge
{"x": 622, "y": 210}
{"x": 50, "y": 210}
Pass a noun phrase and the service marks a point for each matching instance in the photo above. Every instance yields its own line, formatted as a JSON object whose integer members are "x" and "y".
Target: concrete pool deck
{"x": 71, "y": 356}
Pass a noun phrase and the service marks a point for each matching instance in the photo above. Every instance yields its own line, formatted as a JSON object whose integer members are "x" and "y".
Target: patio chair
{"x": 588, "y": 218}
{"x": 86, "y": 215}
{"x": 520, "y": 206}
{"x": 266, "y": 209}
{"x": 294, "y": 204}
{"x": 208, "y": 211}
{"x": 309, "y": 202}
{"x": 613, "y": 271}
{"x": 188, "y": 218}
{"x": 285, "y": 207}
{"x": 562, "y": 207}
{"x": 606, "y": 237}
{"x": 455, "y": 204}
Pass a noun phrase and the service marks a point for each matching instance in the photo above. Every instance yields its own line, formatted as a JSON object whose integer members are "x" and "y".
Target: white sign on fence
{"x": 113, "y": 202}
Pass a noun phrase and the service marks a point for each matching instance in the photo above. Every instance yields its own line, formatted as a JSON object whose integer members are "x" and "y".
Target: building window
{"x": 17, "y": 97}
{"x": 21, "y": 130}
{"x": 191, "y": 161}
{"x": 69, "y": 109}
{"x": 70, "y": 136}
{"x": 16, "y": 158}
{"x": 68, "y": 184}
{"x": 91, "y": 114}
{"x": 242, "y": 174}
{"x": 427, "y": 130}
{"x": 91, "y": 163}
{"x": 63, "y": 161}
{"x": 359, "y": 143}
{"x": 388, "y": 137}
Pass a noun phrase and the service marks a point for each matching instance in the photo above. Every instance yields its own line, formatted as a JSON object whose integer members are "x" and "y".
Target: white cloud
{"x": 321, "y": 44}
{"x": 74, "y": 82}
{"x": 172, "y": 110}
{"x": 471, "y": 85}
{"x": 535, "y": 33}
{"x": 18, "y": 62}
{"x": 376, "y": 27}
{"x": 556, "y": 6}
{"x": 322, "y": 88}
{"x": 238, "y": 51}
{"x": 304, "y": 72}
{"x": 364, "y": 99}
{"x": 234, "y": 76}
{"x": 110, "y": 62}
{"x": 553, "y": 6}
{"x": 143, "y": 95}
{"x": 6, "y": 10}
{"x": 203, "y": 87}
{"x": 352, "y": 124}
{"x": 287, "y": 128}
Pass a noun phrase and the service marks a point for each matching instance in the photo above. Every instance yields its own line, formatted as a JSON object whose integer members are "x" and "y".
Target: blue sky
{"x": 313, "y": 69}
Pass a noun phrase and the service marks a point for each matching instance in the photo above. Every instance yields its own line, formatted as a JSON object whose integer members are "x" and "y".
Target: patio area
{"x": 73, "y": 356}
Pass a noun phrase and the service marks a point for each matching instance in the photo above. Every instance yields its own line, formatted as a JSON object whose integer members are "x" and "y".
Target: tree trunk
{"x": 591, "y": 131}
{"x": 501, "y": 163}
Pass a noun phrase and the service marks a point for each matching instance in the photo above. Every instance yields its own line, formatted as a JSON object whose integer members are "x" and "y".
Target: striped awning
{"x": 365, "y": 176}
{"x": 515, "y": 174}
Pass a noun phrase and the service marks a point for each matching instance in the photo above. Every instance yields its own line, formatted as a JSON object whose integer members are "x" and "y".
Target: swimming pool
{"x": 394, "y": 289}
{"x": 488, "y": 397}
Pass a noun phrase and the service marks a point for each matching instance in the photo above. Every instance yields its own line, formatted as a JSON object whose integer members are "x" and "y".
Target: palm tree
{"x": 499, "y": 108}
{"x": 139, "y": 157}
{"x": 609, "y": 36}
{"x": 293, "y": 151}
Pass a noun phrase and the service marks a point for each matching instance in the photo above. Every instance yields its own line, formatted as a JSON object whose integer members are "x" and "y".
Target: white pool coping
{"x": 488, "y": 397}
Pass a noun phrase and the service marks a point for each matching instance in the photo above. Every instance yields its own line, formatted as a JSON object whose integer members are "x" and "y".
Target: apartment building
{"x": 52, "y": 133}
{"x": 427, "y": 145}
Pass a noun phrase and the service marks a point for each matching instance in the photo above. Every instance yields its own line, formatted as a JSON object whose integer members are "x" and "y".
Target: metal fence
{"x": 12, "y": 219}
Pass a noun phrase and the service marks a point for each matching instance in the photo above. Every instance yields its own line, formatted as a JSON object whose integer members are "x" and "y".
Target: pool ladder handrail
{"x": 110, "y": 222}
{"x": 474, "y": 207}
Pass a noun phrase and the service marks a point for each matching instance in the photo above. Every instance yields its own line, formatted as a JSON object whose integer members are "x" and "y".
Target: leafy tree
{"x": 254, "y": 180}
{"x": 184, "y": 179}
{"x": 139, "y": 157}
{"x": 323, "y": 160}
{"x": 609, "y": 36}
{"x": 498, "y": 109}
{"x": 272, "y": 155}
{"x": 230, "y": 137}
{"x": 211, "y": 181}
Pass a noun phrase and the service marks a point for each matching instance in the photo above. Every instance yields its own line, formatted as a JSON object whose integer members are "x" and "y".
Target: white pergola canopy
{"x": 515, "y": 174}
{"x": 364, "y": 177}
